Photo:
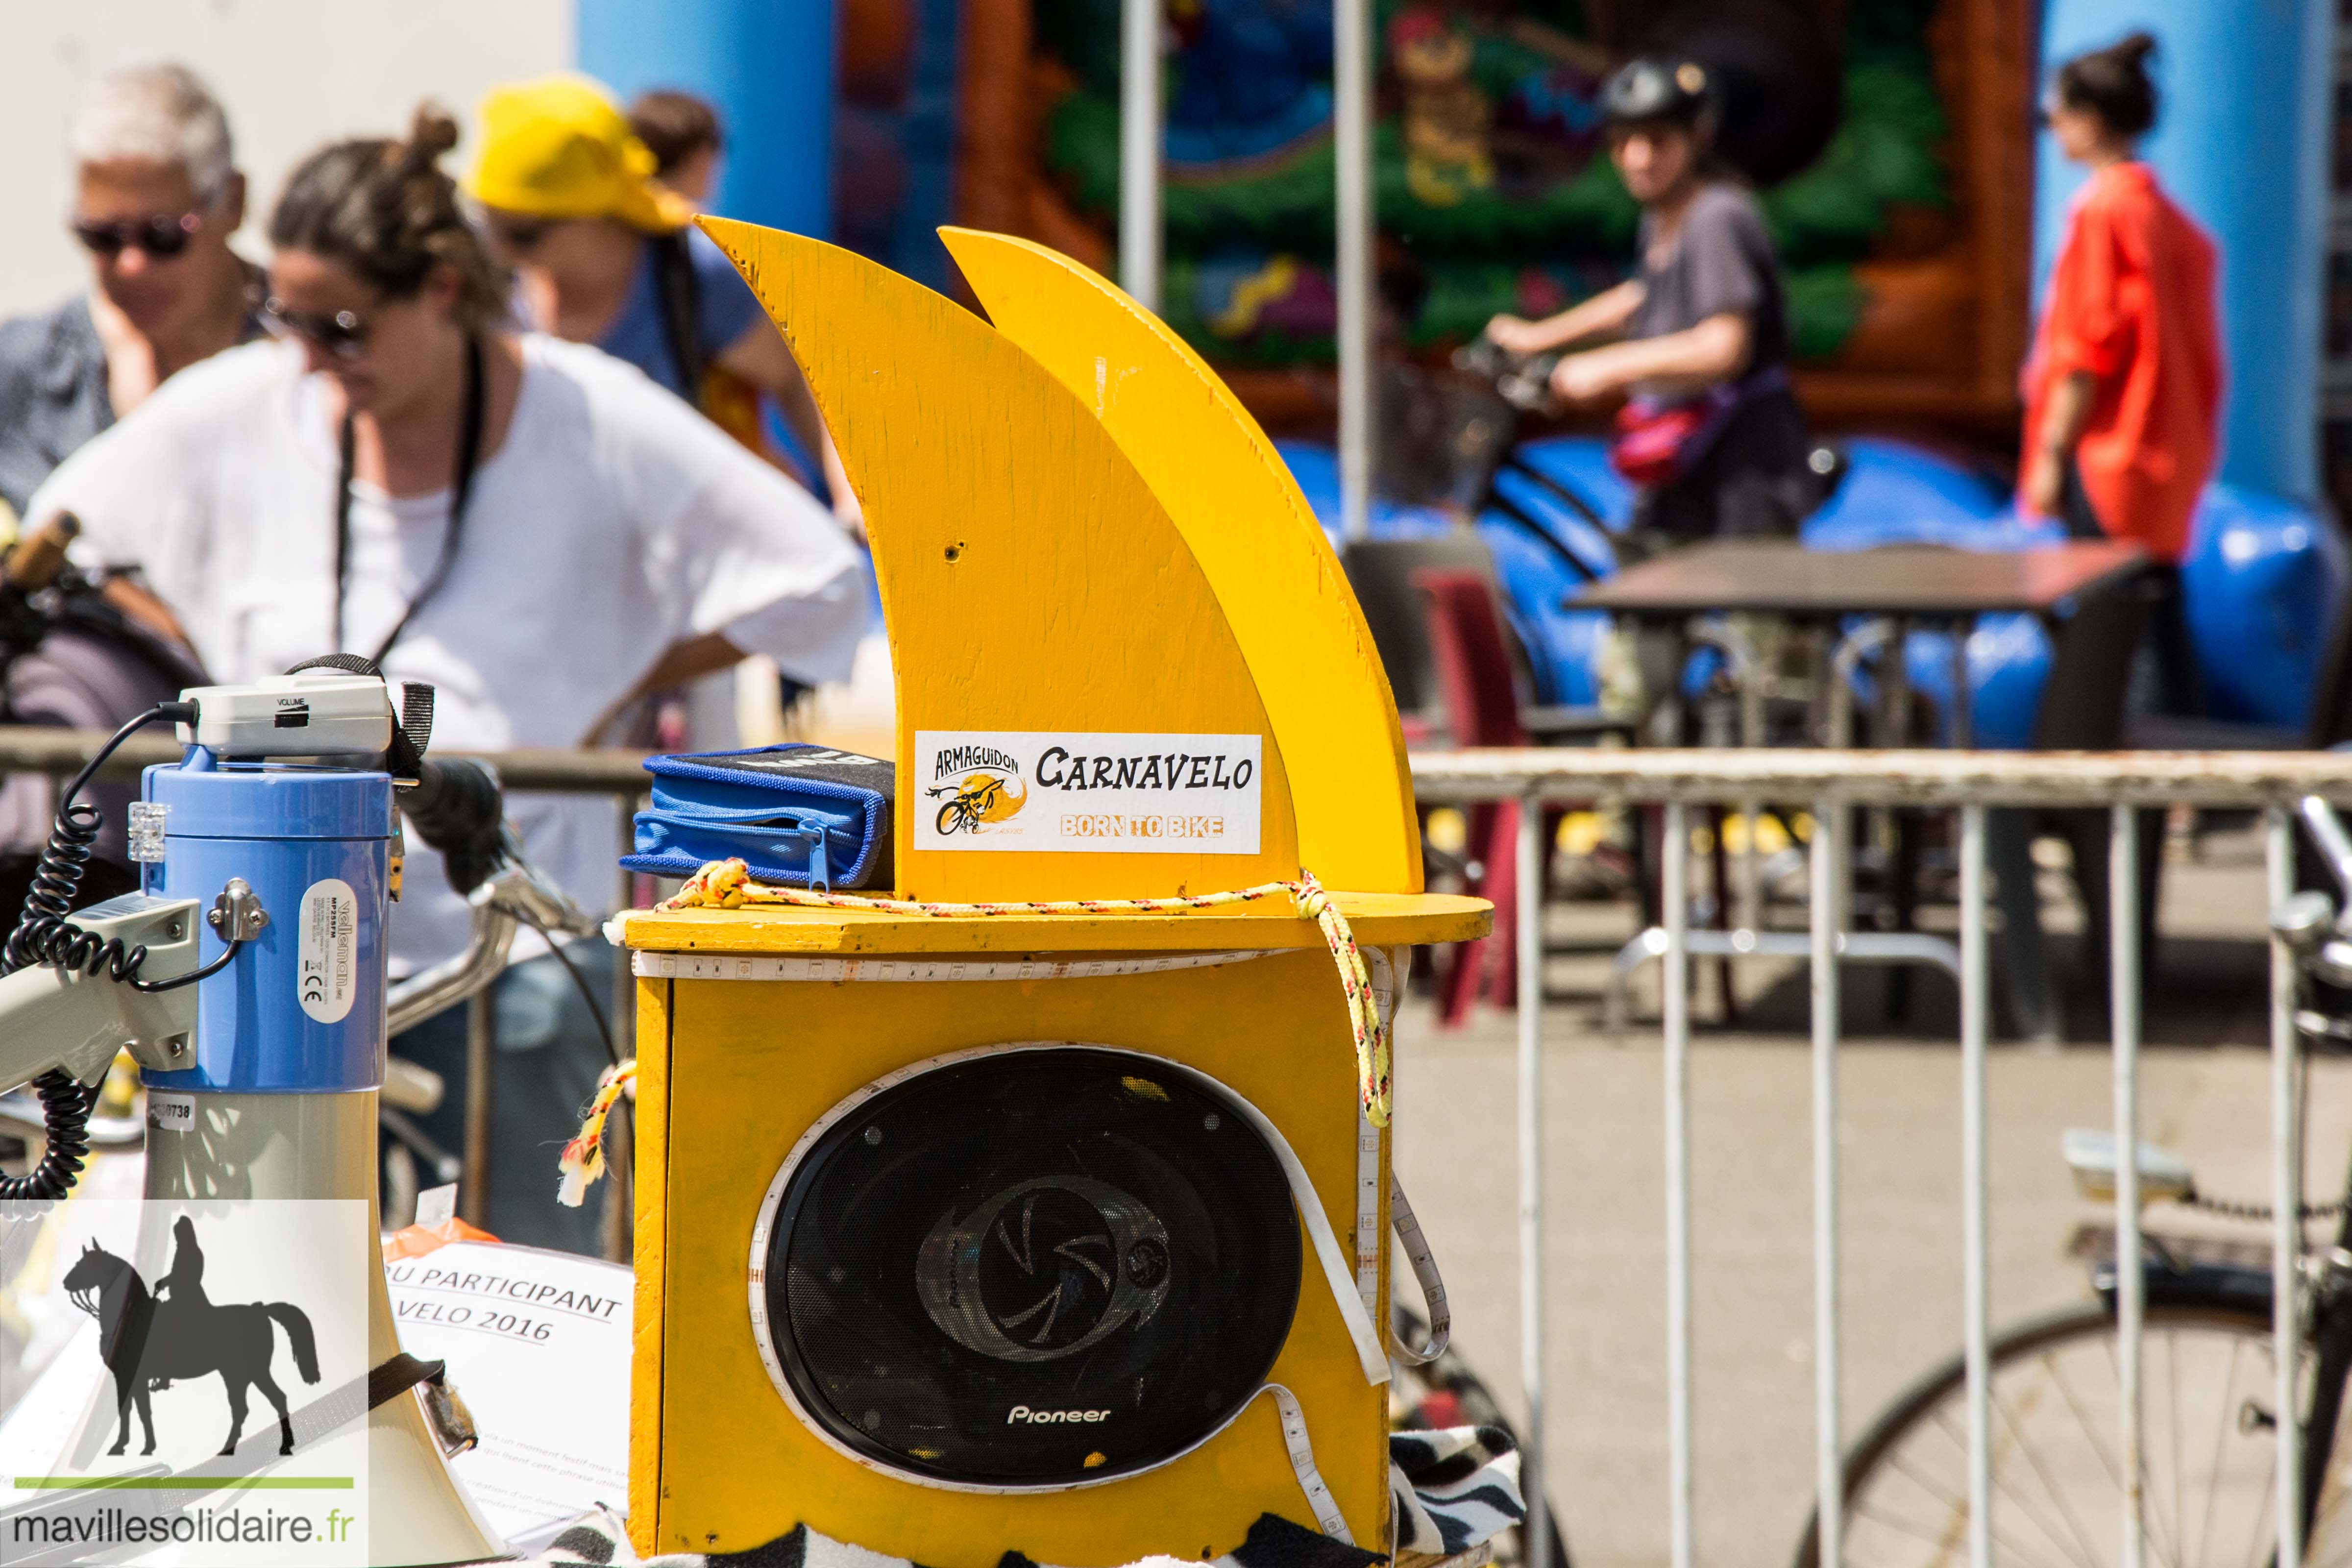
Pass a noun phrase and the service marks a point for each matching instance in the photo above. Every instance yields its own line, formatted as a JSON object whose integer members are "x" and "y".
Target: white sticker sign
{"x": 170, "y": 1113}
{"x": 1087, "y": 792}
{"x": 538, "y": 1343}
{"x": 326, "y": 971}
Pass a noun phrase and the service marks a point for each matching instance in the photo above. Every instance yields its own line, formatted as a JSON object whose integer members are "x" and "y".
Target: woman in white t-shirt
{"x": 535, "y": 528}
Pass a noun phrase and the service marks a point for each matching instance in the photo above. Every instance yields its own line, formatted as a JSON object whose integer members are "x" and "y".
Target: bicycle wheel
{"x": 2209, "y": 1449}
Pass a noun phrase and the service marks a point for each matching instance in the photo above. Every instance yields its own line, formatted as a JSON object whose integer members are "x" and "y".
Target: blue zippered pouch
{"x": 798, "y": 816}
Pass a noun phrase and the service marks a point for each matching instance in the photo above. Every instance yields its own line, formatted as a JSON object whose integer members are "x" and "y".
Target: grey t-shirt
{"x": 1722, "y": 260}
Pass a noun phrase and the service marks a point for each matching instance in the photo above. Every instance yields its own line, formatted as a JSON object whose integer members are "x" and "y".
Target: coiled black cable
{"x": 56, "y": 879}
{"x": 43, "y": 935}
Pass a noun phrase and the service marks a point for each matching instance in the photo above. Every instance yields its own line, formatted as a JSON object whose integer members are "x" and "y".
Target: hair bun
{"x": 2137, "y": 48}
{"x": 431, "y": 133}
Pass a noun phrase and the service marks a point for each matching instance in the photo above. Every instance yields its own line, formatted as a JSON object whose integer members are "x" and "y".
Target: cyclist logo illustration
{"x": 980, "y": 786}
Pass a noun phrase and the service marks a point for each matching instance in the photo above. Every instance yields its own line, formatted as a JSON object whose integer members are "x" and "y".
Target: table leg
{"x": 1898, "y": 829}
{"x": 1963, "y": 726}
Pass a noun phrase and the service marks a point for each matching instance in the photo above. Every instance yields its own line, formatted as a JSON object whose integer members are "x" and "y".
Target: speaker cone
{"x": 1030, "y": 1268}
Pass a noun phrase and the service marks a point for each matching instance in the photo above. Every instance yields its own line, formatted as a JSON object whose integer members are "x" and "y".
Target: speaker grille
{"x": 1032, "y": 1268}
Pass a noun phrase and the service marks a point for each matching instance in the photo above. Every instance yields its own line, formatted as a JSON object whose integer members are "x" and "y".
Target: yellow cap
{"x": 560, "y": 148}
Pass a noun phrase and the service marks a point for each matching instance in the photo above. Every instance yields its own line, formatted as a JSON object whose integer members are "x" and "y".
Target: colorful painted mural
{"x": 1884, "y": 153}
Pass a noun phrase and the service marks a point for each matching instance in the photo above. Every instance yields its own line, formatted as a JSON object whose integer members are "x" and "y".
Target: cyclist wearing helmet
{"x": 1711, "y": 435}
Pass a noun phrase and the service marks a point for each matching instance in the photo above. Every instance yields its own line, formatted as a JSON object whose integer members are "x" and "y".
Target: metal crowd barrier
{"x": 1829, "y": 782}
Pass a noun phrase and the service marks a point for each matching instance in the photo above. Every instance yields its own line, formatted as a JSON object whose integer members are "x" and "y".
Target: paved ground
{"x": 2205, "y": 1088}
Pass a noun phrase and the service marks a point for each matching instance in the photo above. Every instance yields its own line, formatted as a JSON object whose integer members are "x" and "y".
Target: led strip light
{"x": 1325, "y": 1507}
{"x": 827, "y": 971}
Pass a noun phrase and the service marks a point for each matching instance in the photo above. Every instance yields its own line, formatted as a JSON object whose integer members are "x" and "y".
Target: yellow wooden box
{"x": 733, "y": 1072}
{"x": 1074, "y": 528}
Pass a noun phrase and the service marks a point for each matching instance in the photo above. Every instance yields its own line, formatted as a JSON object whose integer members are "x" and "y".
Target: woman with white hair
{"x": 156, "y": 196}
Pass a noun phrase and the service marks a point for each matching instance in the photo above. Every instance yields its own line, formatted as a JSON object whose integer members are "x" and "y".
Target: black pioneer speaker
{"x": 1028, "y": 1267}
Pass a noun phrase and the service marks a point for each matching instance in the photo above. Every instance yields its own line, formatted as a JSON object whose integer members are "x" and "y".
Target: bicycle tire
{"x": 1872, "y": 1460}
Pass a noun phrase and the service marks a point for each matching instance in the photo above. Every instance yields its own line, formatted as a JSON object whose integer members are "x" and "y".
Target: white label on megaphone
{"x": 325, "y": 976}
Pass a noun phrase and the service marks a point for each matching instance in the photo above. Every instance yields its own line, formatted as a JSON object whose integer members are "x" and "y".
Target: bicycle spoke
{"x": 2114, "y": 1465}
{"x": 1960, "y": 1505}
{"x": 2025, "y": 1508}
{"x": 2172, "y": 1407}
{"x": 2221, "y": 1439}
{"x": 1946, "y": 1543}
{"x": 2263, "y": 1513}
{"x": 2033, "y": 1457}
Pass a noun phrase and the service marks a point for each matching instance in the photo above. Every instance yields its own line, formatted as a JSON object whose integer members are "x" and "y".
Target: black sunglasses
{"x": 343, "y": 335}
{"x": 161, "y": 238}
{"x": 521, "y": 236}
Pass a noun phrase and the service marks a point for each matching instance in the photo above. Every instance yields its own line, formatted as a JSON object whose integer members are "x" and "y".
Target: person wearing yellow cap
{"x": 606, "y": 254}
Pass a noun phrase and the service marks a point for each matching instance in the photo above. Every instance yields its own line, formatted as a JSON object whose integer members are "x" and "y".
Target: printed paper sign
{"x": 212, "y": 1409}
{"x": 1087, "y": 792}
{"x": 538, "y": 1346}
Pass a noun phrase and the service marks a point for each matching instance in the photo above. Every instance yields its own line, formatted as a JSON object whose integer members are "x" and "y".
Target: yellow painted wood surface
{"x": 1242, "y": 514}
{"x": 650, "y": 1173}
{"x": 753, "y": 1064}
{"x": 1378, "y": 920}
{"x": 1030, "y": 578}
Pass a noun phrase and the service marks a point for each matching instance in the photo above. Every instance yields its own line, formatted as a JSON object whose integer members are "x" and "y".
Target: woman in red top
{"x": 2124, "y": 389}
{"x": 2123, "y": 394}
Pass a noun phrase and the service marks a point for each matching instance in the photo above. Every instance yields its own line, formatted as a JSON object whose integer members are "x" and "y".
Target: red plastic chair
{"x": 1477, "y": 682}
{"x": 1480, "y": 694}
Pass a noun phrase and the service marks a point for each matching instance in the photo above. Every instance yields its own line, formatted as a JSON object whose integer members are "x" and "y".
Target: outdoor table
{"x": 1894, "y": 587}
{"x": 1903, "y": 583}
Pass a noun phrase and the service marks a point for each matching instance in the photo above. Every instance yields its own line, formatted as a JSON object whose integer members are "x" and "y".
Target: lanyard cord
{"x": 469, "y": 454}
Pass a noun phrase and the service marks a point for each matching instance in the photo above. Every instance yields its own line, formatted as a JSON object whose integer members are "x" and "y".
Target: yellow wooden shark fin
{"x": 1234, "y": 501}
{"x": 1031, "y": 579}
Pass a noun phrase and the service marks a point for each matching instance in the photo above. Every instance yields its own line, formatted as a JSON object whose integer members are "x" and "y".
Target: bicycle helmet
{"x": 1660, "y": 89}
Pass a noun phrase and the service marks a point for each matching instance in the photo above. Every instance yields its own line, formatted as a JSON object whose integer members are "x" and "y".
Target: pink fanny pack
{"x": 1657, "y": 442}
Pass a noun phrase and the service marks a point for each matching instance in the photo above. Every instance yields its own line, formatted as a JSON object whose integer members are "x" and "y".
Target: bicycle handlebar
{"x": 2327, "y": 830}
{"x": 2311, "y": 924}
{"x": 457, "y": 808}
{"x": 514, "y": 895}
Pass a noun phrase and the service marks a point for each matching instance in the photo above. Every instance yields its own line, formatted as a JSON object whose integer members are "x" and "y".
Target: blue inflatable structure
{"x": 2262, "y": 579}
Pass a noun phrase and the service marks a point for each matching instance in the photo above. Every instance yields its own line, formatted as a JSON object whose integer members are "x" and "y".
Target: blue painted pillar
{"x": 768, "y": 65}
{"x": 2241, "y": 143}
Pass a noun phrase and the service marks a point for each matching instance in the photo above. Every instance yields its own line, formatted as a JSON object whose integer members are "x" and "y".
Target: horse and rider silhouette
{"x": 150, "y": 1341}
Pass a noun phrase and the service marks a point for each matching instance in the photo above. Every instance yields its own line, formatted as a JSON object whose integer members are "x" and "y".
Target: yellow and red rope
{"x": 728, "y": 885}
